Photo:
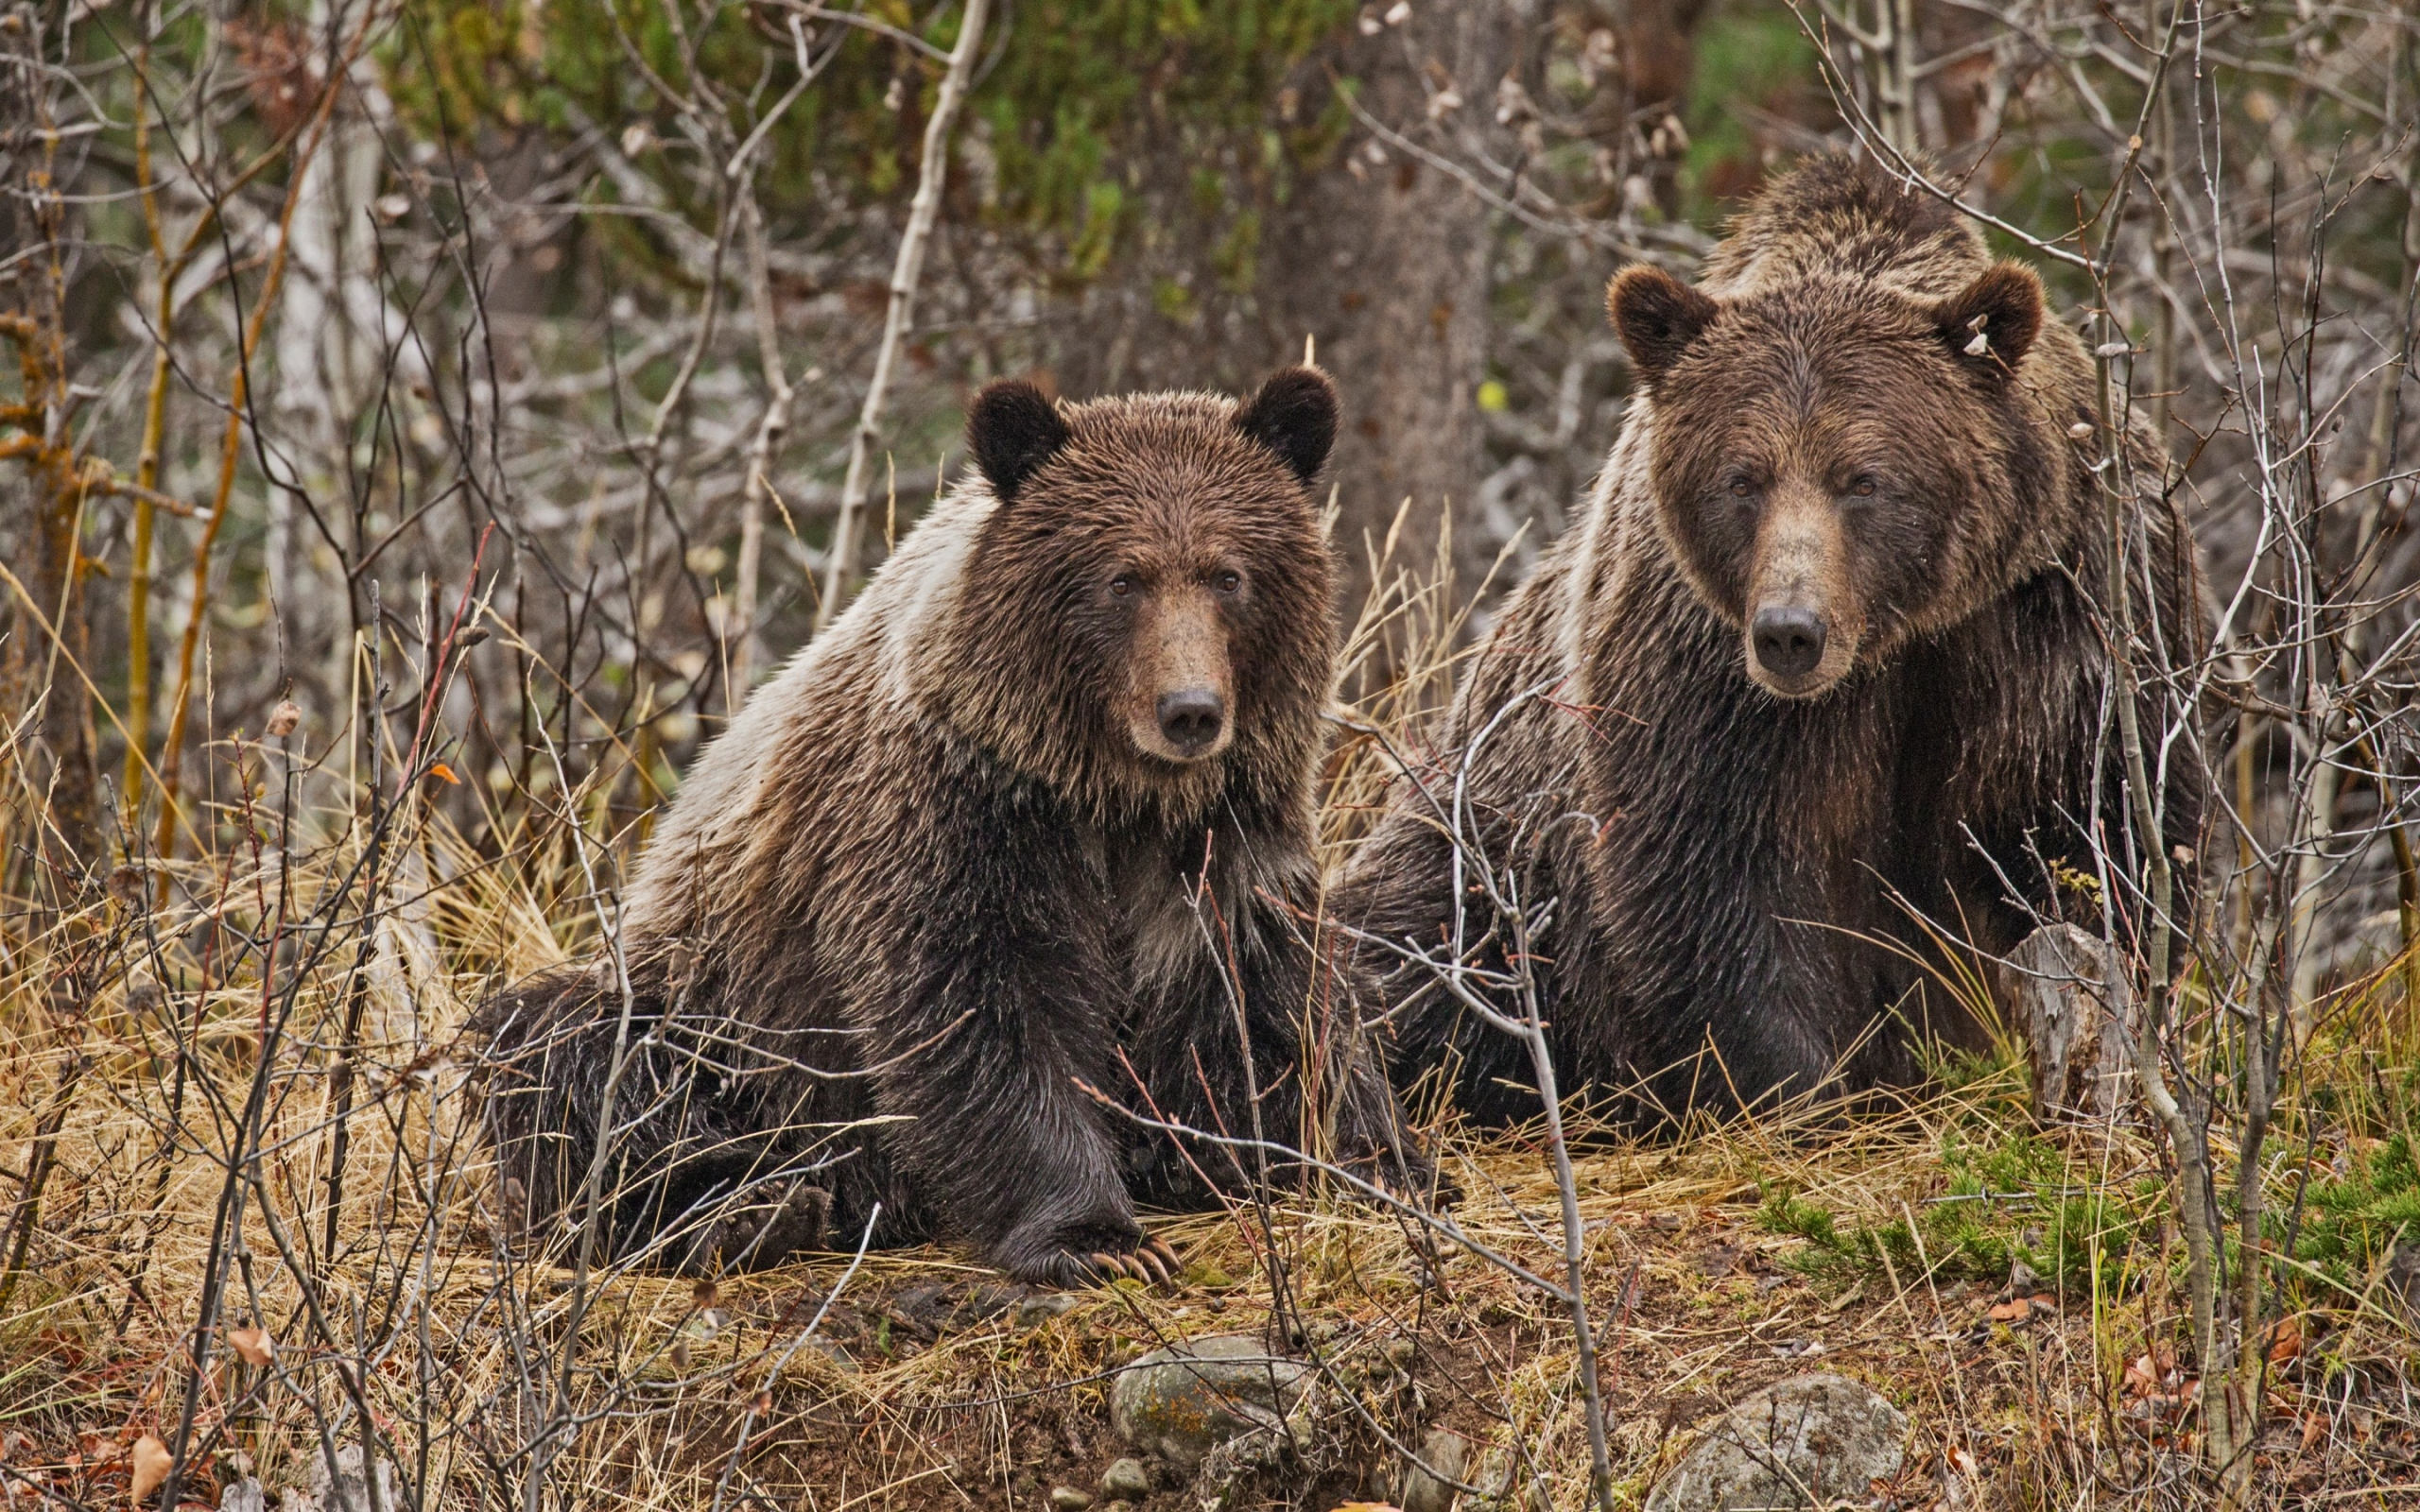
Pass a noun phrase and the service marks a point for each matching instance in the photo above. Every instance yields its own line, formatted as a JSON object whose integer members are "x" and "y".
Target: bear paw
{"x": 1149, "y": 1260}
{"x": 761, "y": 1233}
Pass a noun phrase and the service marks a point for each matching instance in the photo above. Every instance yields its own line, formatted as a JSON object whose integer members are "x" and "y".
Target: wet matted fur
{"x": 1822, "y": 651}
{"x": 1033, "y": 820}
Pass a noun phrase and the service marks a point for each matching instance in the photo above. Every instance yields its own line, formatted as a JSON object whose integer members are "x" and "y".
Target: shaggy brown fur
{"x": 1033, "y": 820}
{"x": 1822, "y": 652}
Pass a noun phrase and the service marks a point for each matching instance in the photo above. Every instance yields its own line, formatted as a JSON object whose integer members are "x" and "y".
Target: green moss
{"x": 2350, "y": 1222}
{"x": 2009, "y": 1197}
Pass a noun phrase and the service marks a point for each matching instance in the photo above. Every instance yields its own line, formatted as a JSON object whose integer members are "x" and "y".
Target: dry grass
{"x": 1719, "y": 1259}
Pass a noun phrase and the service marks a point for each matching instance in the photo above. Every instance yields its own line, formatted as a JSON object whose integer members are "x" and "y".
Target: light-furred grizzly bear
{"x": 1031, "y": 821}
{"x": 1824, "y": 657}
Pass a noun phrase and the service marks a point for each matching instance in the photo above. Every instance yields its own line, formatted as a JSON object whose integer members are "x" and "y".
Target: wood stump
{"x": 2076, "y": 1008}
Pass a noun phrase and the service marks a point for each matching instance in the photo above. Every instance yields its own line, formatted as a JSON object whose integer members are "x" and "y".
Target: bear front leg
{"x": 1316, "y": 1081}
{"x": 676, "y": 1188}
{"x": 985, "y": 1031}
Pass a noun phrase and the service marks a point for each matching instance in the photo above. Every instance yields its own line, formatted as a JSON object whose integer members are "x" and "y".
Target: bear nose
{"x": 1190, "y": 718}
{"x": 1789, "y": 640}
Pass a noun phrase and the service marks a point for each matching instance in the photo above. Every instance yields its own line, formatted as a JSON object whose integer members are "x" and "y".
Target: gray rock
{"x": 1182, "y": 1401}
{"x": 1442, "y": 1453}
{"x": 1126, "y": 1480}
{"x": 1067, "y": 1499}
{"x": 247, "y": 1495}
{"x": 842, "y": 1360}
{"x": 1035, "y": 1310}
{"x": 1806, "y": 1443}
{"x": 1504, "y": 1486}
{"x": 2402, "y": 1279}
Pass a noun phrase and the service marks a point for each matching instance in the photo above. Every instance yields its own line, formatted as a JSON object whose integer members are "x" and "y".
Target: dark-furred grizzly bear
{"x": 1825, "y": 658}
{"x": 1031, "y": 821}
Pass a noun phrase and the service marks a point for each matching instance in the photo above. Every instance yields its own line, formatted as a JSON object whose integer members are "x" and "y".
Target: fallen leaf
{"x": 254, "y": 1345}
{"x": 151, "y": 1462}
{"x": 440, "y": 769}
{"x": 2285, "y": 1342}
{"x": 1365, "y": 1506}
{"x": 2015, "y": 1309}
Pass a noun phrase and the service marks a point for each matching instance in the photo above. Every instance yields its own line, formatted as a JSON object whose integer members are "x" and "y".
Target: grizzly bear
{"x": 1817, "y": 687}
{"x": 1026, "y": 833}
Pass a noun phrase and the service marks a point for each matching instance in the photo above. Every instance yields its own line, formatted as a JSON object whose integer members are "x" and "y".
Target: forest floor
{"x": 249, "y": 1224}
{"x": 1717, "y": 1262}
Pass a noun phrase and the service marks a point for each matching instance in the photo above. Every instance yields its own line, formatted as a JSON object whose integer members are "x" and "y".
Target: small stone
{"x": 2402, "y": 1279}
{"x": 1810, "y": 1441}
{"x": 1181, "y": 1403}
{"x": 1067, "y": 1499}
{"x": 1426, "y": 1481}
{"x": 1126, "y": 1480}
{"x": 831, "y": 1351}
{"x": 245, "y": 1495}
{"x": 1035, "y": 1310}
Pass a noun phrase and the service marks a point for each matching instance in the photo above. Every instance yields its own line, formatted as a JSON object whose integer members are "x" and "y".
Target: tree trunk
{"x": 1384, "y": 260}
{"x": 1378, "y": 258}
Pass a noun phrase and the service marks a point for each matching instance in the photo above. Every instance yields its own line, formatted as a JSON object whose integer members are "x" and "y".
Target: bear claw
{"x": 1152, "y": 1263}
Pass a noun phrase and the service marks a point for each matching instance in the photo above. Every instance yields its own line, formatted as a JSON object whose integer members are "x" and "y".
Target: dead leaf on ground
{"x": 254, "y": 1345}
{"x": 151, "y": 1462}
{"x": 2286, "y": 1340}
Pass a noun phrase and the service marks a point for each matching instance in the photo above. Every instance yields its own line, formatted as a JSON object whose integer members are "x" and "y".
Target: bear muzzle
{"x": 1191, "y": 720}
{"x": 1181, "y": 709}
{"x": 1789, "y": 639}
{"x": 1804, "y": 615}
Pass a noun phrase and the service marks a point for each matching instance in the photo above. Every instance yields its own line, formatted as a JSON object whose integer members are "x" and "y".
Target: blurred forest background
{"x": 431, "y": 416}
{"x": 330, "y": 313}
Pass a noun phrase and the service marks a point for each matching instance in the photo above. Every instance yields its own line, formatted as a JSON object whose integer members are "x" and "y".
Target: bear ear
{"x": 1990, "y": 325}
{"x": 1012, "y": 429}
{"x": 1657, "y": 316}
{"x": 1294, "y": 416}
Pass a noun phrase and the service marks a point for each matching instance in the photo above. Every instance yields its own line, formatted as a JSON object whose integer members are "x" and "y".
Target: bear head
{"x": 1841, "y": 467}
{"x": 1147, "y": 613}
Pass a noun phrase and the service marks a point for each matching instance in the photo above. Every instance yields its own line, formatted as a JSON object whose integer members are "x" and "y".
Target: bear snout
{"x": 1191, "y": 719}
{"x": 1789, "y": 640}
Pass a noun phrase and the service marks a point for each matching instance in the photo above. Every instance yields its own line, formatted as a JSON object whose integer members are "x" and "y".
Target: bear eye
{"x": 1741, "y": 488}
{"x": 1863, "y": 488}
{"x": 1121, "y": 586}
{"x": 1228, "y": 581}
